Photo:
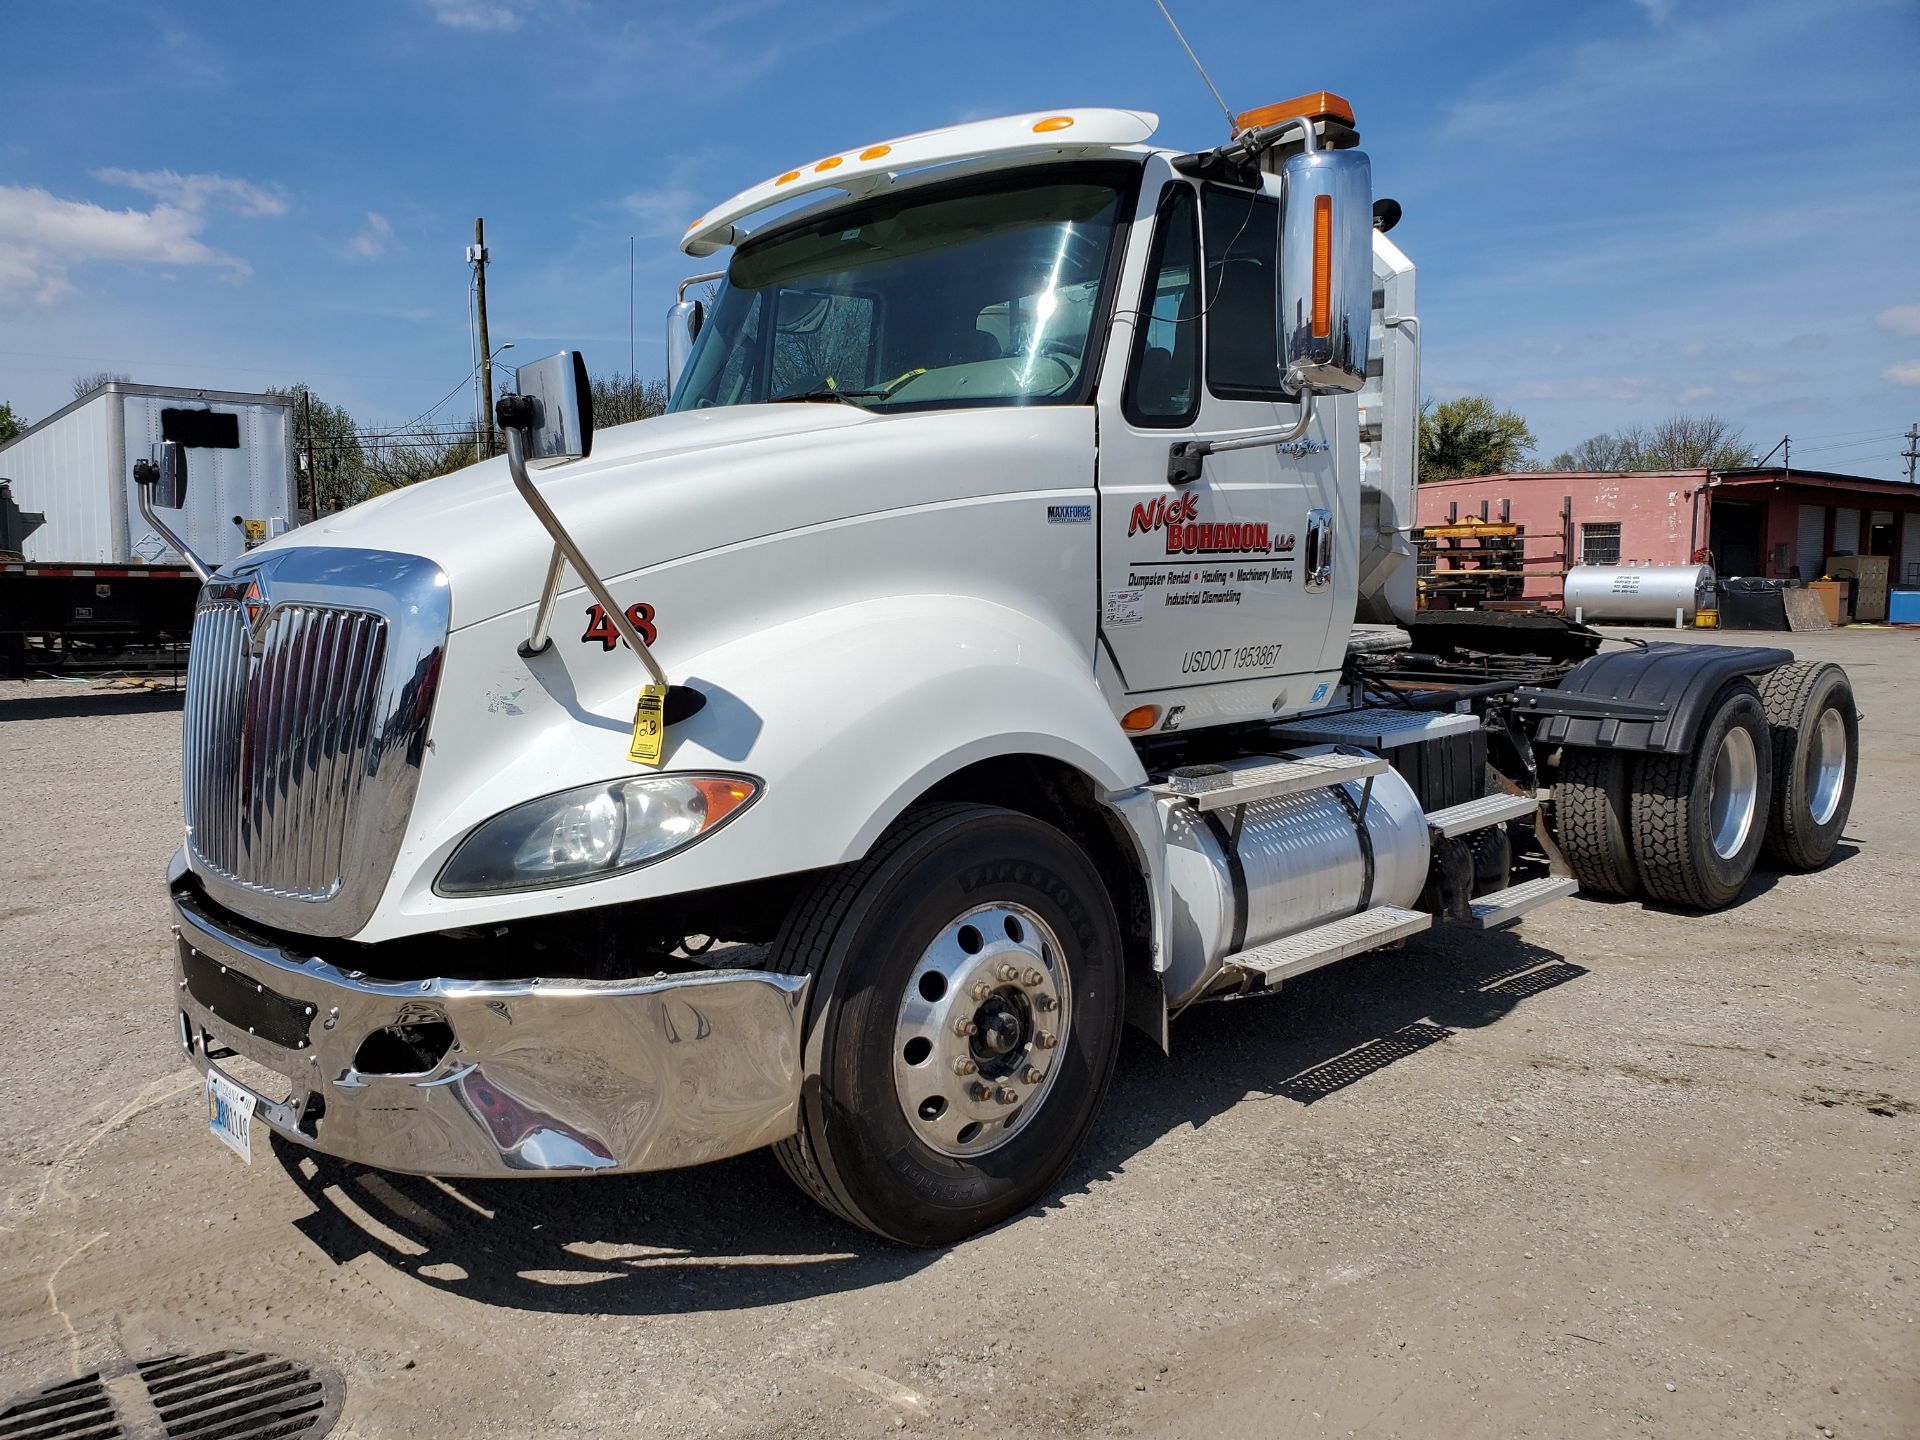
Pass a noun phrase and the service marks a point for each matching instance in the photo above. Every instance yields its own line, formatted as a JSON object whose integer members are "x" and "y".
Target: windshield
{"x": 961, "y": 295}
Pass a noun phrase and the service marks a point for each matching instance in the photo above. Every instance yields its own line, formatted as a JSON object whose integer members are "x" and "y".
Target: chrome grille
{"x": 274, "y": 743}
{"x": 310, "y": 687}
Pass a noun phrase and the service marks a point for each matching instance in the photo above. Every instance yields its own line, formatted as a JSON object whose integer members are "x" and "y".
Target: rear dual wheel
{"x": 1684, "y": 829}
{"x": 963, "y": 1022}
{"x": 1816, "y": 758}
{"x": 1699, "y": 819}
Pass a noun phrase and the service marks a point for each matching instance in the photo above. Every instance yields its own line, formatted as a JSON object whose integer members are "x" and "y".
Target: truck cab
{"x": 963, "y": 668}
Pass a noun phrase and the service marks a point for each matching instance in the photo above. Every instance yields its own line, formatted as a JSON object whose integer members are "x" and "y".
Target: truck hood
{"x": 652, "y": 491}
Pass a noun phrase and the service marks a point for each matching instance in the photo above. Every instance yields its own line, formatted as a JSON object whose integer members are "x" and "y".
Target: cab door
{"x": 1217, "y": 596}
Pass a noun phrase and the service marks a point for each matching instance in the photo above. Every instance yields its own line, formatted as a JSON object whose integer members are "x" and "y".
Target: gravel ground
{"x": 1619, "y": 1172}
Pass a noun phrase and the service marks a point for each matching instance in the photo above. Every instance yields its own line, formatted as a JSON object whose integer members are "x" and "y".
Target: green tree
{"x": 1471, "y": 436}
{"x": 341, "y": 474}
{"x": 12, "y": 422}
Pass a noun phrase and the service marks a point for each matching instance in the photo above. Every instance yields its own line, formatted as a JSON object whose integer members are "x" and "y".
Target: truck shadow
{"x": 736, "y": 1235}
{"x": 81, "y": 704}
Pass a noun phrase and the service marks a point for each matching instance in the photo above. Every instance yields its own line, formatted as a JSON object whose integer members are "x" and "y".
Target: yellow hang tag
{"x": 649, "y": 726}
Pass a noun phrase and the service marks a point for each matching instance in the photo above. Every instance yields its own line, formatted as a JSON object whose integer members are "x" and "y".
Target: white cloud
{"x": 478, "y": 14}
{"x": 1906, "y": 372}
{"x": 374, "y": 237}
{"x": 200, "y": 192}
{"x": 1900, "y": 319}
{"x": 44, "y": 236}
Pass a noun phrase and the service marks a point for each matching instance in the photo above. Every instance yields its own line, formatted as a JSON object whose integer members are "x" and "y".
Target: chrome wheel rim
{"x": 1735, "y": 792}
{"x": 985, "y": 1013}
{"x": 1827, "y": 766}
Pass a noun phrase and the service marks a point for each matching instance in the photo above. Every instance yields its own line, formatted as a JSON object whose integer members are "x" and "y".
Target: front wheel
{"x": 962, "y": 1026}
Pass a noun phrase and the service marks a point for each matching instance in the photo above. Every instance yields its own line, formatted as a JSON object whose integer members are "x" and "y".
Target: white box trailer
{"x": 61, "y": 581}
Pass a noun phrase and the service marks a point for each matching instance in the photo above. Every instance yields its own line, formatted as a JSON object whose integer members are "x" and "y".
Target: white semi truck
{"x": 971, "y": 651}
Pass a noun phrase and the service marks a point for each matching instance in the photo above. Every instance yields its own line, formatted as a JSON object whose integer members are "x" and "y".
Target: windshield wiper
{"x": 829, "y": 394}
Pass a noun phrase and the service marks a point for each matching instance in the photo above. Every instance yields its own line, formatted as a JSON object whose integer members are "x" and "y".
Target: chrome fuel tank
{"x": 1301, "y": 861}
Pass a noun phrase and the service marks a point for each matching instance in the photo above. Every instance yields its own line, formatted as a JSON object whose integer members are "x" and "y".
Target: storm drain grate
{"x": 221, "y": 1395}
{"x": 78, "y": 1410}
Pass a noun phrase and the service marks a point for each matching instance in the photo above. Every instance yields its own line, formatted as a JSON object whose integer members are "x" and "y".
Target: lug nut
{"x": 1007, "y": 1095}
{"x": 964, "y": 1066}
{"x": 1044, "y": 1002}
{"x": 1032, "y": 979}
{"x": 981, "y": 991}
{"x": 978, "y": 1091}
{"x": 964, "y": 1026}
{"x": 1046, "y": 1039}
{"x": 1009, "y": 973}
{"x": 1034, "y": 1075}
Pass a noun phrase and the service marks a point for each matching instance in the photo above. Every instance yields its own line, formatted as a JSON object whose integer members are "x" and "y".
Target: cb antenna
{"x": 1225, "y": 109}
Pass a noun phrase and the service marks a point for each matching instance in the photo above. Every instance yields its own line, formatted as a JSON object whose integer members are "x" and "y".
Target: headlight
{"x": 593, "y": 832}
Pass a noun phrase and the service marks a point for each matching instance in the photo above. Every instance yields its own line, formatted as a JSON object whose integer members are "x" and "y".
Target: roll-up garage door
{"x": 1810, "y": 550}
{"x": 1846, "y": 531}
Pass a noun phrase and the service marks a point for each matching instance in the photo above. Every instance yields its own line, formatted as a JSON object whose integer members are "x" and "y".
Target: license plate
{"x": 230, "y": 1114}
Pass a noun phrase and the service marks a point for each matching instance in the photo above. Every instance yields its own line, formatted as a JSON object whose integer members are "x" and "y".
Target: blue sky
{"x": 1620, "y": 208}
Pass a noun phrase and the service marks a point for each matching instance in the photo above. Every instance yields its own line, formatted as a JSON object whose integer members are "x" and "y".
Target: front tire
{"x": 1699, "y": 818}
{"x": 962, "y": 915}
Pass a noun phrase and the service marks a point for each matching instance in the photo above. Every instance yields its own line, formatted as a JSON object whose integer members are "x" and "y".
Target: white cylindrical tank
{"x": 1638, "y": 592}
{"x": 1302, "y": 864}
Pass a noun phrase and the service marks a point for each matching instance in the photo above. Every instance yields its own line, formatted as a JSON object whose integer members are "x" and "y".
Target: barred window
{"x": 1600, "y": 543}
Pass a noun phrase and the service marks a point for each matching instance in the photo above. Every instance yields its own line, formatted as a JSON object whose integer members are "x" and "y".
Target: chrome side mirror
{"x": 164, "y": 477}
{"x": 683, "y": 328}
{"x": 162, "y": 481}
{"x": 553, "y": 411}
{"x": 1326, "y": 269}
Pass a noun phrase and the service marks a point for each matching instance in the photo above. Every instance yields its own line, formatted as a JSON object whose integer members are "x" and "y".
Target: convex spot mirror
{"x": 164, "y": 475}
{"x": 1326, "y": 269}
{"x": 553, "y": 408}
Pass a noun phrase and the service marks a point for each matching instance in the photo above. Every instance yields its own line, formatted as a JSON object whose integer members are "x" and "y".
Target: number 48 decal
{"x": 601, "y": 628}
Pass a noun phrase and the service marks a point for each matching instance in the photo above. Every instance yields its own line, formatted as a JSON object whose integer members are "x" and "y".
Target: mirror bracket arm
{"x": 1185, "y": 457}
{"x": 565, "y": 549}
{"x": 143, "y": 489}
{"x": 693, "y": 280}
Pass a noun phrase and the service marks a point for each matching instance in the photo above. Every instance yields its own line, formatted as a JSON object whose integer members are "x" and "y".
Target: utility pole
{"x": 1912, "y": 452}
{"x": 313, "y": 477}
{"x": 478, "y": 255}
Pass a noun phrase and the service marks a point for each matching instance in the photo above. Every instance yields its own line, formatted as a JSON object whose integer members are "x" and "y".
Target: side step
{"x": 1279, "y": 960}
{"x": 1482, "y": 814}
{"x": 1220, "y": 789}
{"x": 1503, "y": 907}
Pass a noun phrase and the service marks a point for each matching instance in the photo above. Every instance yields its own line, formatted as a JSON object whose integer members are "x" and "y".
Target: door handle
{"x": 1317, "y": 560}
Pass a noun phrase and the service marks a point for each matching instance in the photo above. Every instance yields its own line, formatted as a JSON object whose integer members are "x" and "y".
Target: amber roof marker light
{"x": 1314, "y": 105}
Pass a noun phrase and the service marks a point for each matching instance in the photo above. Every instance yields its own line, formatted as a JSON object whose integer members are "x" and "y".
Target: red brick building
{"x": 1772, "y": 521}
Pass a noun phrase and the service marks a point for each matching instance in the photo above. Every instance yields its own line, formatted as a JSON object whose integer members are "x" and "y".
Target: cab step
{"x": 1481, "y": 814}
{"x": 1209, "y": 788}
{"x": 1279, "y": 960}
{"x": 1503, "y": 907}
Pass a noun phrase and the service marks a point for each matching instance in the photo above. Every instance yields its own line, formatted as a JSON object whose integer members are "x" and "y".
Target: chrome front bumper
{"x": 543, "y": 1077}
